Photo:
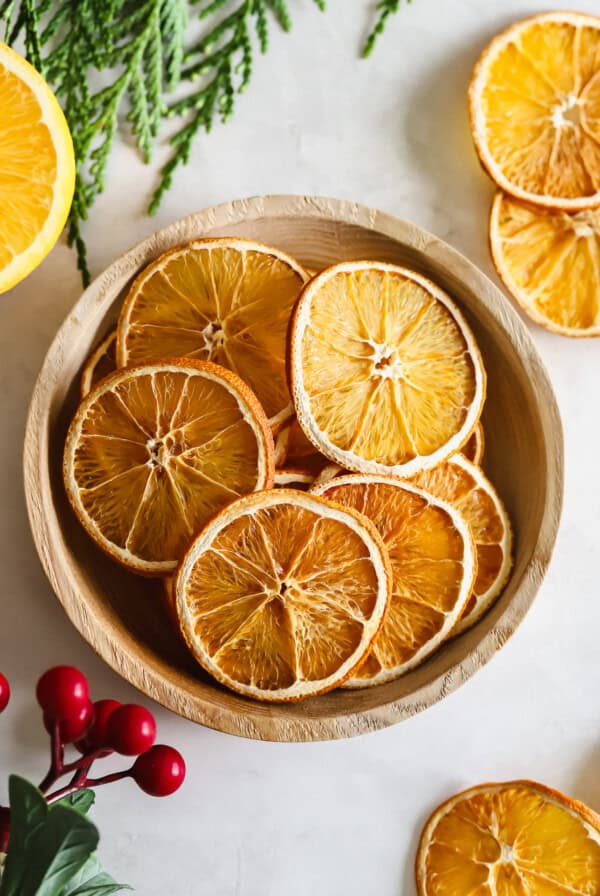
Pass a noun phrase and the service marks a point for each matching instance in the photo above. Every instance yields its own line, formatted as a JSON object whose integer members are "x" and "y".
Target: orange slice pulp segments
{"x": 550, "y": 263}
{"x": 386, "y": 375}
{"x": 513, "y": 839}
{"x": 433, "y": 567}
{"x": 100, "y": 363}
{"x": 225, "y": 300}
{"x": 535, "y": 110}
{"x": 466, "y": 487}
{"x": 37, "y": 168}
{"x": 155, "y": 451}
{"x": 281, "y": 595}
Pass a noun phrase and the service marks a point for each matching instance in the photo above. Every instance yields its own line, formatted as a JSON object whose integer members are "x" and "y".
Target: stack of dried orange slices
{"x": 299, "y": 458}
{"x": 535, "y": 116}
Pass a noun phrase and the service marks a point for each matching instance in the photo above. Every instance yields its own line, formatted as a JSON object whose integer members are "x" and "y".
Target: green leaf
{"x": 58, "y": 851}
{"x": 92, "y": 881}
{"x": 28, "y": 814}
{"x": 82, "y": 800}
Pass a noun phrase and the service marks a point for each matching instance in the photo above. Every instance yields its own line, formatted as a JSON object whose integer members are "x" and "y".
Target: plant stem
{"x": 57, "y": 752}
{"x": 80, "y": 780}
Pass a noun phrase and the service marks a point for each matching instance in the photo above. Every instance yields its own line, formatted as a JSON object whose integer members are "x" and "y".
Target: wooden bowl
{"x": 122, "y": 616}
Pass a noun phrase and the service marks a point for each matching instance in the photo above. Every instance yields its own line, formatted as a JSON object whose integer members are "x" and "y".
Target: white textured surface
{"x": 260, "y": 819}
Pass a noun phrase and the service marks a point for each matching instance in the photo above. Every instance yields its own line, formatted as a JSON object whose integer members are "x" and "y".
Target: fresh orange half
{"x": 294, "y": 477}
{"x": 474, "y": 449}
{"x": 100, "y": 363}
{"x": 282, "y": 594}
{"x": 433, "y": 566}
{"x": 37, "y": 168}
{"x": 155, "y": 451}
{"x": 386, "y": 375}
{"x": 550, "y": 263}
{"x": 535, "y": 110}
{"x": 514, "y": 839}
{"x": 465, "y": 486}
{"x": 224, "y": 300}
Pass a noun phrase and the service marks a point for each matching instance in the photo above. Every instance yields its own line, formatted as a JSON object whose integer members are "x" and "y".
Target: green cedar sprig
{"x": 385, "y": 8}
{"x": 138, "y": 48}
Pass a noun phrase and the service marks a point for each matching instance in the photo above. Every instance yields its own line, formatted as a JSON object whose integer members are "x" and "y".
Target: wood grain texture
{"x": 122, "y": 617}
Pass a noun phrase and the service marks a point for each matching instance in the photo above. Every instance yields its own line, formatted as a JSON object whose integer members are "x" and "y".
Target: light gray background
{"x": 337, "y": 818}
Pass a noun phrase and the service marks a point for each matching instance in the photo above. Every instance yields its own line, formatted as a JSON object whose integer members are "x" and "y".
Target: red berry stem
{"x": 86, "y": 760}
{"x": 57, "y": 752}
{"x": 80, "y": 780}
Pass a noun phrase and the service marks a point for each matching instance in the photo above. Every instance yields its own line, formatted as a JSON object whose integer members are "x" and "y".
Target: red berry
{"x": 159, "y": 771}
{"x": 75, "y": 727}
{"x": 130, "y": 730}
{"x": 95, "y": 738}
{"x": 62, "y": 691}
{"x": 4, "y": 692}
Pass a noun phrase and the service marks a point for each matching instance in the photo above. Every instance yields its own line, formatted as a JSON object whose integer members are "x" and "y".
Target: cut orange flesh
{"x": 291, "y": 477}
{"x": 154, "y": 452}
{"x": 514, "y": 839}
{"x": 386, "y": 375}
{"x": 474, "y": 449}
{"x": 466, "y": 487}
{"x": 223, "y": 300}
{"x": 282, "y": 594}
{"x": 550, "y": 263}
{"x": 37, "y": 168}
{"x": 433, "y": 566}
{"x": 100, "y": 363}
{"x": 535, "y": 110}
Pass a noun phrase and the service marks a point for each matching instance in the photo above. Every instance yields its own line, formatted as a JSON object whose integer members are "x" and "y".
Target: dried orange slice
{"x": 37, "y": 168}
{"x": 327, "y": 474}
{"x": 535, "y": 110}
{"x": 100, "y": 363}
{"x": 433, "y": 565}
{"x": 223, "y": 300}
{"x": 386, "y": 375}
{"x": 281, "y": 595}
{"x": 466, "y": 487}
{"x": 550, "y": 263}
{"x": 474, "y": 449}
{"x": 294, "y": 477}
{"x": 513, "y": 839}
{"x": 155, "y": 451}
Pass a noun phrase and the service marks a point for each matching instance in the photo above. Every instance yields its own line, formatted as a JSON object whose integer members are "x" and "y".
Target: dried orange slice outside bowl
{"x": 535, "y": 110}
{"x": 281, "y": 595}
{"x": 510, "y": 839}
{"x": 153, "y": 452}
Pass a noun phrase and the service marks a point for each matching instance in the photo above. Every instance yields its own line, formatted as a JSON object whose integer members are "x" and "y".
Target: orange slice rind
{"x": 100, "y": 363}
{"x": 474, "y": 449}
{"x": 153, "y": 452}
{"x": 281, "y": 595}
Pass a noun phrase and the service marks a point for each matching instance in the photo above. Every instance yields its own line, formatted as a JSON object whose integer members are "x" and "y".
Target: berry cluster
{"x": 96, "y": 730}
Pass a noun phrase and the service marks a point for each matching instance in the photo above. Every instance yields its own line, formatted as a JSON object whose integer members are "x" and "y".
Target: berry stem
{"x": 86, "y": 760}
{"x": 80, "y": 780}
{"x": 56, "y": 758}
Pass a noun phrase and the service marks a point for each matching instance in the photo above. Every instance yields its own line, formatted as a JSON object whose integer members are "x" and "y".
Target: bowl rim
{"x": 66, "y": 580}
